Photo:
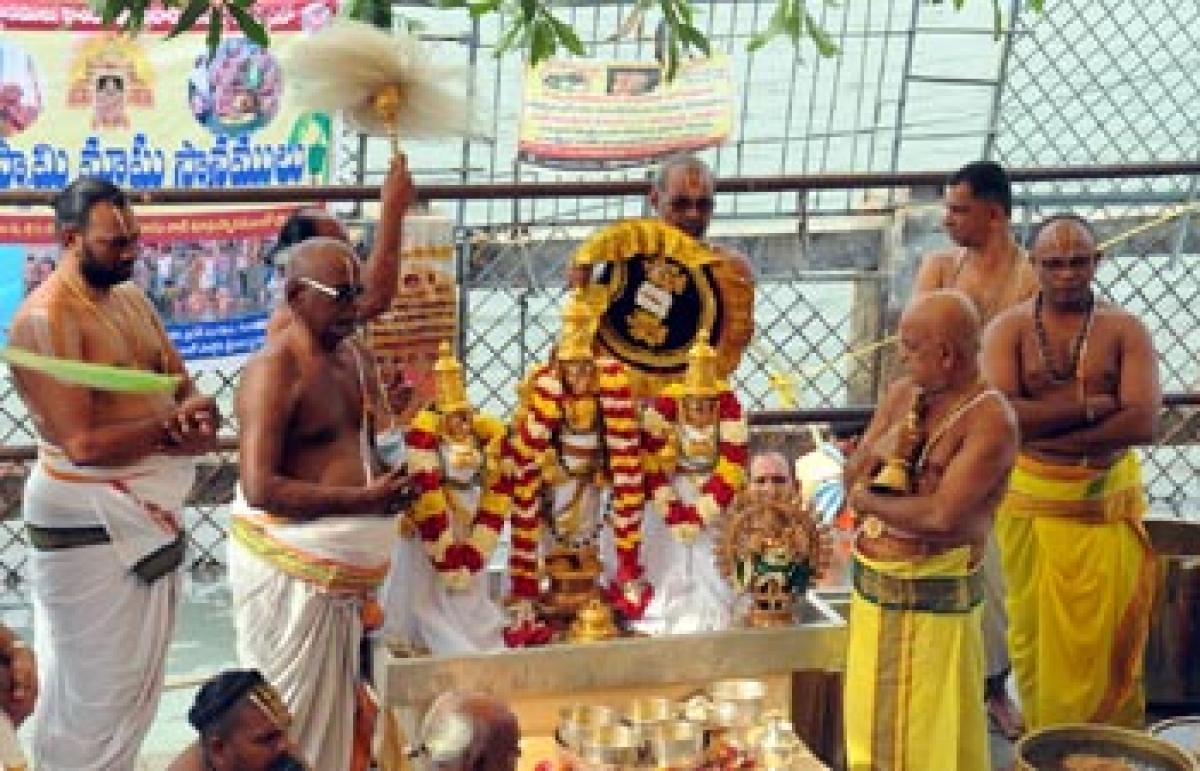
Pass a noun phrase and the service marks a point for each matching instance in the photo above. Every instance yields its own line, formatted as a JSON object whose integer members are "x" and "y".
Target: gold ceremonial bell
{"x": 896, "y": 476}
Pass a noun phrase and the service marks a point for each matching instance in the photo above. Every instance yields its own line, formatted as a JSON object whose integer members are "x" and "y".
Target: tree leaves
{"x": 793, "y": 19}
{"x": 189, "y": 17}
{"x": 531, "y": 25}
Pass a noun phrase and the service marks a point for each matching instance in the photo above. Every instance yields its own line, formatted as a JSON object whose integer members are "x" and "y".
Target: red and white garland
{"x": 686, "y": 520}
{"x": 542, "y": 418}
{"x": 456, "y": 561}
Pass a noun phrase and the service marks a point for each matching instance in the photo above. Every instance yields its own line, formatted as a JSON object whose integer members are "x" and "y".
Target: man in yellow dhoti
{"x": 925, "y": 481}
{"x": 1083, "y": 379}
{"x": 312, "y": 527}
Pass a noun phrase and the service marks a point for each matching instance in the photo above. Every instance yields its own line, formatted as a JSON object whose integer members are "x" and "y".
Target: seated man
{"x": 945, "y": 443}
{"x": 243, "y": 726}
{"x": 470, "y": 732}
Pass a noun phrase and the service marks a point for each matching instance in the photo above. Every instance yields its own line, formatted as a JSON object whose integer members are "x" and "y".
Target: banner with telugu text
{"x": 146, "y": 112}
{"x": 597, "y": 115}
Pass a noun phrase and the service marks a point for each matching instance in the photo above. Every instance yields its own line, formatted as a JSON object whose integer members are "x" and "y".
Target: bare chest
{"x": 1069, "y": 358}
{"x": 331, "y": 406}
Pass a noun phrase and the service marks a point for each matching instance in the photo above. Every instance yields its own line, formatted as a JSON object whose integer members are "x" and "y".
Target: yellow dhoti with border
{"x": 1080, "y": 575}
{"x": 914, "y": 666}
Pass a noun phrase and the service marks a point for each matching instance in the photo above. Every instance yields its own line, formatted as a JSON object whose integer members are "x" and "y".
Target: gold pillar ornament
{"x": 578, "y": 330}
{"x": 701, "y": 379}
{"x": 450, "y": 392}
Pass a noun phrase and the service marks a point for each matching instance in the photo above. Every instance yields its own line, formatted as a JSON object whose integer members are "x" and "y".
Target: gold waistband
{"x": 935, "y": 594}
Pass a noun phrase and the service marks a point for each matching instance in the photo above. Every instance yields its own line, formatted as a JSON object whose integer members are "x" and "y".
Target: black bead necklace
{"x": 1071, "y": 371}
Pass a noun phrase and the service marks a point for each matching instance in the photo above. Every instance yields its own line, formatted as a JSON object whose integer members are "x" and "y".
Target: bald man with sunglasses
{"x": 313, "y": 524}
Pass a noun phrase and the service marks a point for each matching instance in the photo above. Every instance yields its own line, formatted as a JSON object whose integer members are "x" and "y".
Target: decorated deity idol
{"x": 695, "y": 436}
{"x": 770, "y": 548}
{"x": 436, "y": 597}
{"x": 577, "y": 453}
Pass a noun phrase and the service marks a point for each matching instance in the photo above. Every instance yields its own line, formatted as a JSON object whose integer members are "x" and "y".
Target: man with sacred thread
{"x": 925, "y": 482}
{"x": 695, "y": 440}
{"x": 1082, "y": 375}
{"x": 436, "y": 596}
{"x": 312, "y": 525}
{"x": 103, "y": 506}
{"x": 578, "y": 444}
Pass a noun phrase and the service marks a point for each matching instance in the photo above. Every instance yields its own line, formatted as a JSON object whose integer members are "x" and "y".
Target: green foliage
{"x": 531, "y": 25}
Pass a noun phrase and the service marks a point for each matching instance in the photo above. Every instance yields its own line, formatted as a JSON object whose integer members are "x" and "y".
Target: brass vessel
{"x": 593, "y": 623}
{"x": 896, "y": 476}
{"x": 1045, "y": 749}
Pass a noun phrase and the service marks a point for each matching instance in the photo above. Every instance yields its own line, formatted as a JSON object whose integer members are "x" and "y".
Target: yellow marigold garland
{"x": 685, "y": 520}
{"x": 456, "y": 561}
{"x": 532, "y": 453}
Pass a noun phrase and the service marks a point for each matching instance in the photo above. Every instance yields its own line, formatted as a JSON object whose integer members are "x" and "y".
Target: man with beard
{"x": 312, "y": 528}
{"x": 103, "y": 503}
{"x": 990, "y": 268}
{"x": 243, "y": 726}
{"x": 1082, "y": 375}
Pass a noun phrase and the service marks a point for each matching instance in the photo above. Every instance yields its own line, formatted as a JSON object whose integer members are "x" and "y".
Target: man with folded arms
{"x": 925, "y": 482}
{"x": 1082, "y": 375}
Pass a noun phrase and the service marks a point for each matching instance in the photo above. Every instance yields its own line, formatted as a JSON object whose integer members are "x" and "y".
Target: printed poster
{"x": 147, "y": 113}
{"x": 596, "y": 115}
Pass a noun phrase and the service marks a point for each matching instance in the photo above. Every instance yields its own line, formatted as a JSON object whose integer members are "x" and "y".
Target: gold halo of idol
{"x": 769, "y": 549}
{"x": 657, "y": 292}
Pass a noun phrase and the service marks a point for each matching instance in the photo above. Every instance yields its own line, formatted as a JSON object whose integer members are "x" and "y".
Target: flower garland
{"x": 532, "y": 453}
{"x": 686, "y": 520}
{"x": 457, "y": 560}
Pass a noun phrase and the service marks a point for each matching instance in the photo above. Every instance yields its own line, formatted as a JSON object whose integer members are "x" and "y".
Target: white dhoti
{"x": 690, "y": 594}
{"x": 420, "y": 609}
{"x": 298, "y": 589}
{"x": 101, "y": 632}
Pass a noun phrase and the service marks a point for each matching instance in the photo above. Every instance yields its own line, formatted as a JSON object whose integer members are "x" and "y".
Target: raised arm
{"x": 1138, "y": 402}
{"x": 1037, "y": 418}
{"x": 971, "y": 478}
{"x": 383, "y": 266}
{"x": 65, "y": 414}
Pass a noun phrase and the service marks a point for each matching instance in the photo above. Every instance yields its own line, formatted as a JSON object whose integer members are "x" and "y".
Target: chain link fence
{"x": 1087, "y": 82}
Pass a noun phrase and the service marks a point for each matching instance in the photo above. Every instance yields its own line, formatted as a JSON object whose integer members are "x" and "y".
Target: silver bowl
{"x": 578, "y": 722}
{"x": 1047, "y": 748}
{"x": 675, "y": 744}
{"x": 738, "y": 703}
{"x": 610, "y": 746}
{"x": 1183, "y": 732}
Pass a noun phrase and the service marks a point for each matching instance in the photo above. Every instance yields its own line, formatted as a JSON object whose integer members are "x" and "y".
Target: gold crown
{"x": 578, "y": 330}
{"x": 701, "y": 379}
{"x": 450, "y": 391}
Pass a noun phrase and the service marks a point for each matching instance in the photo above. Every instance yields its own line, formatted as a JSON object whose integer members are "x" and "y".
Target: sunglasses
{"x": 775, "y": 479}
{"x": 680, "y": 204}
{"x": 1074, "y": 262}
{"x": 343, "y": 294}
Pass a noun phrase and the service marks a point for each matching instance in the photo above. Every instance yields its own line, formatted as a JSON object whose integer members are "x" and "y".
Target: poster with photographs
{"x": 405, "y": 338}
